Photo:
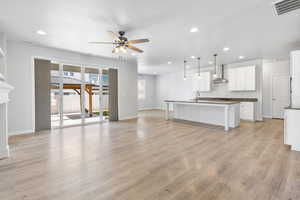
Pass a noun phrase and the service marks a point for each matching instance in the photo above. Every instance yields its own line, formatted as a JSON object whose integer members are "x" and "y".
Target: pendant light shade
{"x": 184, "y": 70}
{"x": 198, "y": 67}
{"x": 215, "y": 70}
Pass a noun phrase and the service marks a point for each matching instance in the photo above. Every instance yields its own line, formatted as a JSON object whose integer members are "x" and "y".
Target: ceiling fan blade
{"x": 134, "y": 48}
{"x": 137, "y": 41}
{"x": 114, "y": 35}
{"x": 103, "y": 43}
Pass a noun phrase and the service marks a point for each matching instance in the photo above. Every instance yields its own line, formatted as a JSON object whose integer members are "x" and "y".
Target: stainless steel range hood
{"x": 218, "y": 76}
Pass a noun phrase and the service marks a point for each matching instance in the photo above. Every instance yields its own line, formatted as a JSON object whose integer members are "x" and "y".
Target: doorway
{"x": 68, "y": 95}
{"x": 280, "y": 95}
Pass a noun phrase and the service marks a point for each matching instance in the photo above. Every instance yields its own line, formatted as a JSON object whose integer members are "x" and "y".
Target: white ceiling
{"x": 249, "y": 27}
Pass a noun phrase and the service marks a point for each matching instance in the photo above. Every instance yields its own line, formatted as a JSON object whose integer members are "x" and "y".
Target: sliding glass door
{"x": 77, "y": 95}
{"x": 93, "y": 95}
{"x": 55, "y": 95}
{"x": 72, "y": 82}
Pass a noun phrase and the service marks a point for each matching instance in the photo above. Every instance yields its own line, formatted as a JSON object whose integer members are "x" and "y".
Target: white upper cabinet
{"x": 242, "y": 78}
{"x": 232, "y": 80}
{"x": 205, "y": 82}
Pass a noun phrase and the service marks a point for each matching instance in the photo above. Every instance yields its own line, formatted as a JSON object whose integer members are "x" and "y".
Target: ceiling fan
{"x": 122, "y": 43}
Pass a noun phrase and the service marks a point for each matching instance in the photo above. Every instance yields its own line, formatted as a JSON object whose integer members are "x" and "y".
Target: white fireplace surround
{"x": 4, "y": 90}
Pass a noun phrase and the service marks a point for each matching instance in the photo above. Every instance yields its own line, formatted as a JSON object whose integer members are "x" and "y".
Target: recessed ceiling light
{"x": 226, "y": 49}
{"x": 193, "y": 57}
{"x": 194, "y": 30}
{"x": 133, "y": 54}
{"x": 41, "y": 32}
{"x": 169, "y": 62}
{"x": 210, "y": 62}
{"x": 241, "y": 57}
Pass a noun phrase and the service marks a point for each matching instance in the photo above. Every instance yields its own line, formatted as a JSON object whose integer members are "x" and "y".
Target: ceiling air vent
{"x": 285, "y": 6}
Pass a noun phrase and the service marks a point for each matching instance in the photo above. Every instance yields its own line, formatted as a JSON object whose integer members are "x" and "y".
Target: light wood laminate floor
{"x": 151, "y": 159}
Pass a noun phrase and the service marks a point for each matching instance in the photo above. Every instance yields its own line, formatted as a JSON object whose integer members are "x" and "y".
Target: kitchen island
{"x": 222, "y": 113}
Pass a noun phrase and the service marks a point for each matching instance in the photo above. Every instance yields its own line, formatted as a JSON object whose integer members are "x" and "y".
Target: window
{"x": 141, "y": 89}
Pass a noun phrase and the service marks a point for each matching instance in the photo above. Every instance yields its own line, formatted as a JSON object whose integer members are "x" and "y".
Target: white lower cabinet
{"x": 291, "y": 128}
{"x": 247, "y": 111}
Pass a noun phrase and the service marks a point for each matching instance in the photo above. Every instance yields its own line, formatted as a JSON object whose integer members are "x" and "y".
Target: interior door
{"x": 280, "y": 95}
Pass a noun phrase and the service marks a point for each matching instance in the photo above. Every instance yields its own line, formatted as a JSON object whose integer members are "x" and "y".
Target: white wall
{"x": 149, "y": 102}
{"x": 172, "y": 86}
{"x": 271, "y": 69}
{"x": 21, "y": 76}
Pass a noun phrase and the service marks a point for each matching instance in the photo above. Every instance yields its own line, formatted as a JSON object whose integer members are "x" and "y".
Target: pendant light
{"x": 215, "y": 72}
{"x": 198, "y": 67}
{"x": 184, "y": 70}
{"x": 215, "y": 69}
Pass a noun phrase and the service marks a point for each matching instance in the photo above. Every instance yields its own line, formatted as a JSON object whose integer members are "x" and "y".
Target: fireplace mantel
{"x": 4, "y": 90}
{"x": 1, "y": 53}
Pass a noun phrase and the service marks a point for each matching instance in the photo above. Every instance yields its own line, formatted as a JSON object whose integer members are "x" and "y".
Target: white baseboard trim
{"x": 267, "y": 116}
{"x": 128, "y": 117}
{"x": 4, "y": 152}
{"x": 21, "y": 132}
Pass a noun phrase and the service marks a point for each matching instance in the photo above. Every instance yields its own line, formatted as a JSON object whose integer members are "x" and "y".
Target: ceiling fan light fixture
{"x": 122, "y": 43}
{"x": 116, "y": 50}
{"x": 123, "y": 49}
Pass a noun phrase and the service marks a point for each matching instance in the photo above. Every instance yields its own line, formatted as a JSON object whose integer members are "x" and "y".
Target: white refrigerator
{"x": 292, "y": 113}
{"x": 295, "y": 79}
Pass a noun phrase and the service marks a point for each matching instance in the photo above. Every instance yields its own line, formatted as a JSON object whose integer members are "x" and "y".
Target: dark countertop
{"x": 290, "y": 108}
{"x": 228, "y": 99}
{"x": 203, "y": 101}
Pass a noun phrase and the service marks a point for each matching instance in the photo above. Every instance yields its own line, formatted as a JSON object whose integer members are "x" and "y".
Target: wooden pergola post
{"x": 90, "y": 92}
{"x": 77, "y": 89}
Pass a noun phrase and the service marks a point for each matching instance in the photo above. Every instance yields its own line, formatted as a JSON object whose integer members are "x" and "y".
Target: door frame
{"x": 271, "y": 97}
